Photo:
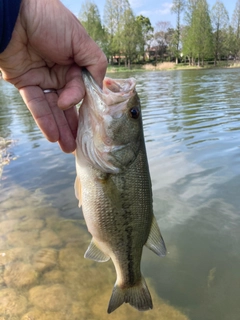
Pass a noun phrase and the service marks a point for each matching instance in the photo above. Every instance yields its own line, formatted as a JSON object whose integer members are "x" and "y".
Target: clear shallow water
{"x": 191, "y": 123}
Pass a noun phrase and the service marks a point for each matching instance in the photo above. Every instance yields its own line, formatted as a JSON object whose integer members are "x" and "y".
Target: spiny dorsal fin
{"x": 155, "y": 240}
{"x": 78, "y": 194}
{"x": 94, "y": 253}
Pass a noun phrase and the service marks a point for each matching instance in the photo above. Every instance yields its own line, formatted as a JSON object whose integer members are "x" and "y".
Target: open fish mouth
{"x": 113, "y": 97}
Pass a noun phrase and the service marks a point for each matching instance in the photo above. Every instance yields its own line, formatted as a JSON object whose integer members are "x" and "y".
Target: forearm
{"x": 8, "y": 15}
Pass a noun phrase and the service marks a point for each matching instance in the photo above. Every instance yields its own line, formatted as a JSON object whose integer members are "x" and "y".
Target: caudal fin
{"x": 138, "y": 296}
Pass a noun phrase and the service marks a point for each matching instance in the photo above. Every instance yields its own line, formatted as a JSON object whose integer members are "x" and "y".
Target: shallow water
{"x": 191, "y": 122}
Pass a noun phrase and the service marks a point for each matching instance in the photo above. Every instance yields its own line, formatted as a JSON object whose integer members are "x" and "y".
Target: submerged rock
{"x": 20, "y": 213}
{"x": 45, "y": 259}
{"x": 36, "y": 314}
{"x": 80, "y": 311}
{"x": 2, "y": 243}
{"x": 71, "y": 258}
{"x": 52, "y": 221}
{"x": 53, "y": 276}
{"x": 23, "y": 238}
{"x": 8, "y": 204}
{"x": 8, "y": 226}
{"x": 68, "y": 231}
{"x": 12, "y": 304}
{"x": 19, "y": 274}
{"x": 31, "y": 224}
{"x": 50, "y": 298}
{"x": 46, "y": 211}
{"x": 1, "y": 276}
{"x": 11, "y": 255}
{"x": 48, "y": 238}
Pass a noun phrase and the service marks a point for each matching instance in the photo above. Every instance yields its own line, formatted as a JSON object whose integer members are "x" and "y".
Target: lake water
{"x": 192, "y": 132}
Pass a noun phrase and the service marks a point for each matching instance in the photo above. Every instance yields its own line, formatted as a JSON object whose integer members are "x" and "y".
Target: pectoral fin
{"x": 155, "y": 240}
{"x": 78, "y": 194}
{"x": 94, "y": 253}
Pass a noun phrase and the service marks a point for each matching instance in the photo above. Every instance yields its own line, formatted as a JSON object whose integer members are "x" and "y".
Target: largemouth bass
{"x": 113, "y": 186}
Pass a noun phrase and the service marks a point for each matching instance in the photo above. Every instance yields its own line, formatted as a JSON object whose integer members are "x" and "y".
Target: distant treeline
{"x": 201, "y": 34}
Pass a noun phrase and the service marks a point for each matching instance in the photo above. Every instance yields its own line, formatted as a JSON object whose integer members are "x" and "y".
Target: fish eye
{"x": 134, "y": 112}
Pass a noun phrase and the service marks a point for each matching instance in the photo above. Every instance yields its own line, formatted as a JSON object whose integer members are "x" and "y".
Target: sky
{"x": 155, "y": 10}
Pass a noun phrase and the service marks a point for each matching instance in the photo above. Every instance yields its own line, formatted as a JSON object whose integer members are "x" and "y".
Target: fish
{"x": 113, "y": 186}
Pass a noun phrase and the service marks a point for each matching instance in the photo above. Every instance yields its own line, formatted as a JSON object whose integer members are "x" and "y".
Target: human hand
{"x": 47, "y": 50}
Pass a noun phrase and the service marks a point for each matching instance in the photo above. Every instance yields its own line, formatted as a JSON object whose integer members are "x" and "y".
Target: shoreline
{"x": 169, "y": 66}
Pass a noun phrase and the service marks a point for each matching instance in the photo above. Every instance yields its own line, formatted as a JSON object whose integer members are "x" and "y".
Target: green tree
{"x": 187, "y": 31}
{"x": 128, "y": 40}
{"x": 187, "y": 43}
{"x": 197, "y": 41}
{"x": 178, "y": 7}
{"x": 132, "y": 37}
{"x": 236, "y": 28}
{"x": 162, "y": 38}
{"x": 90, "y": 18}
{"x": 190, "y": 6}
{"x": 113, "y": 15}
{"x": 231, "y": 43}
{"x": 146, "y": 32}
{"x": 220, "y": 24}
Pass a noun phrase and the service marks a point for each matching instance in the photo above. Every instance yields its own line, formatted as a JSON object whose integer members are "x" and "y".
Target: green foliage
{"x": 127, "y": 34}
{"x": 197, "y": 39}
{"x": 146, "y": 27}
{"x": 178, "y": 7}
{"x": 236, "y": 29}
{"x": 203, "y": 35}
{"x": 220, "y": 24}
{"x": 91, "y": 21}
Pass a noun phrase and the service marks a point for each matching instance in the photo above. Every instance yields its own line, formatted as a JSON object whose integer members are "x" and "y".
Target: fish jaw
{"x": 112, "y": 98}
{"x": 103, "y": 113}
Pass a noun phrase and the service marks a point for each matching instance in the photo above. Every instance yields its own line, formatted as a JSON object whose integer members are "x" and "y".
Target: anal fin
{"x": 155, "y": 240}
{"x": 94, "y": 253}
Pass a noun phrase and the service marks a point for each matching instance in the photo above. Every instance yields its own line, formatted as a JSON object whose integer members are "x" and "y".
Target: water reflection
{"x": 191, "y": 122}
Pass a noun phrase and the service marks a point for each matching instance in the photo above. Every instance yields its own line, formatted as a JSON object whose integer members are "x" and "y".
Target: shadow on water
{"x": 191, "y": 123}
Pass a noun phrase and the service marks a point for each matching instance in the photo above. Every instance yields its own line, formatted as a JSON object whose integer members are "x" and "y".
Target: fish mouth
{"x": 103, "y": 106}
{"x": 113, "y": 97}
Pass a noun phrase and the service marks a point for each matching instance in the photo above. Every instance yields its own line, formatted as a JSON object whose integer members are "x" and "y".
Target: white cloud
{"x": 145, "y": 13}
{"x": 165, "y": 8}
{"x": 157, "y": 13}
{"x": 136, "y": 4}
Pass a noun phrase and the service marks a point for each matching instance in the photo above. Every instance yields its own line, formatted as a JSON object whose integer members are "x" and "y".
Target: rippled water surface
{"x": 192, "y": 132}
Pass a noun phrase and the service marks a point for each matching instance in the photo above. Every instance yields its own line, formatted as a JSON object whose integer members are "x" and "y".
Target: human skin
{"x": 48, "y": 48}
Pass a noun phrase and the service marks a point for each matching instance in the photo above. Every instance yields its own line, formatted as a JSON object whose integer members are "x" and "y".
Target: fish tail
{"x": 137, "y": 296}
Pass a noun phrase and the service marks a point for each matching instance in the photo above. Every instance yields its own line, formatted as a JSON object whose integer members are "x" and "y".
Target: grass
{"x": 171, "y": 66}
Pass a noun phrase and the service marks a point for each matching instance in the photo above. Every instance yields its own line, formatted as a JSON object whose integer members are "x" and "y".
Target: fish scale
{"x": 113, "y": 186}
